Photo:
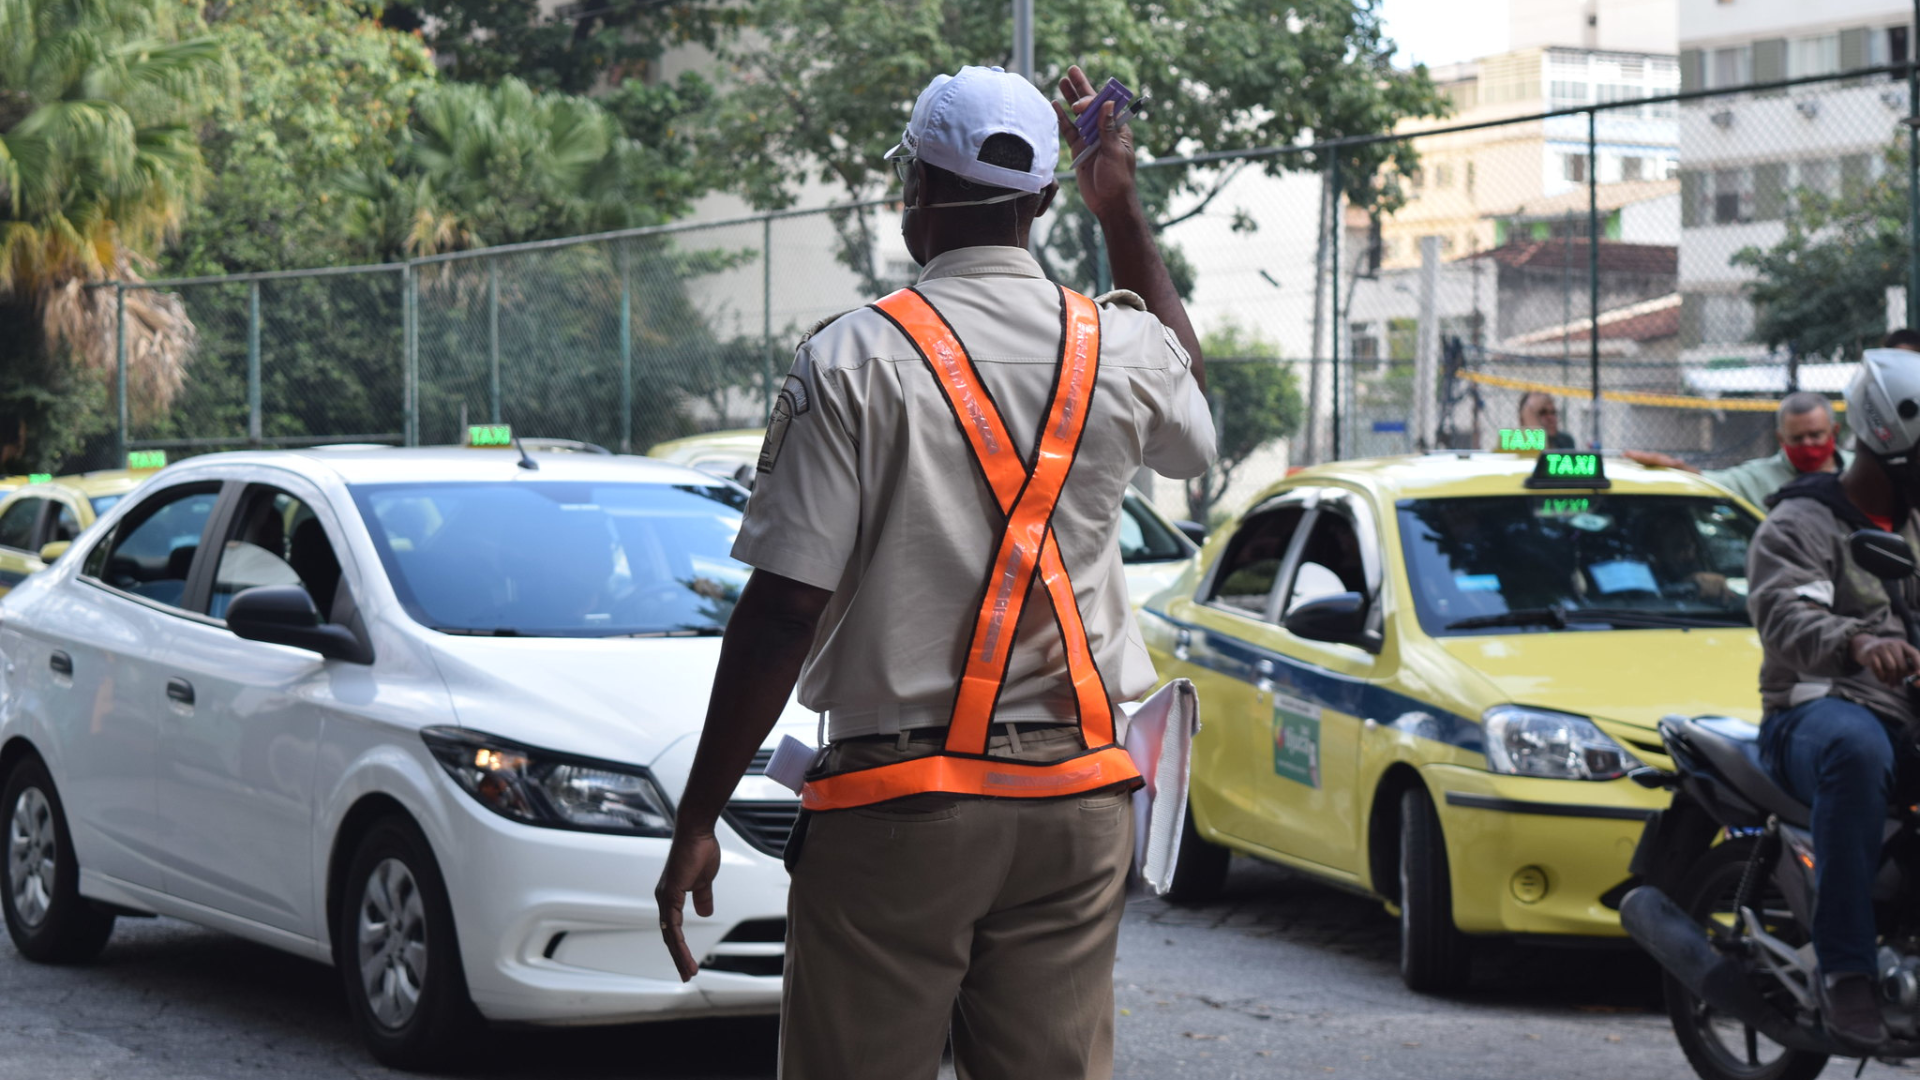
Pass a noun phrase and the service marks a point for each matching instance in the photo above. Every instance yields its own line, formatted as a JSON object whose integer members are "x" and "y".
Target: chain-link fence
{"x": 1591, "y": 232}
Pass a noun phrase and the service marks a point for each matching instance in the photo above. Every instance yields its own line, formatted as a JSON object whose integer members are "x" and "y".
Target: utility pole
{"x": 1023, "y": 38}
{"x": 1913, "y": 169}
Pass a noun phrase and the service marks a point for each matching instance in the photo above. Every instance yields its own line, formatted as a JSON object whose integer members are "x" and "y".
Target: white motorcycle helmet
{"x": 1883, "y": 404}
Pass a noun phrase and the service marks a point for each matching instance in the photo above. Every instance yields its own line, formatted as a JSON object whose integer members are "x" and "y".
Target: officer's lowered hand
{"x": 692, "y": 863}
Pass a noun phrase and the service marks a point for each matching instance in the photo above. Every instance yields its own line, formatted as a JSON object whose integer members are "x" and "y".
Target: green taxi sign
{"x": 146, "y": 459}
{"x": 489, "y": 435}
{"x": 1569, "y": 469}
{"x": 39, "y": 478}
{"x": 1523, "y": 440}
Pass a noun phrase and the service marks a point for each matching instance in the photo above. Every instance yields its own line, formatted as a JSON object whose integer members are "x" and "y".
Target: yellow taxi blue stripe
{"x": 1236, "y": 659}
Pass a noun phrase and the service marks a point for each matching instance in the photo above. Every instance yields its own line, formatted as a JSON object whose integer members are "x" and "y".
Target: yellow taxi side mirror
{"x": 52, "y": 551}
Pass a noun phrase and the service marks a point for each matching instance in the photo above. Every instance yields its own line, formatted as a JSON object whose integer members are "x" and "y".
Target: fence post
{"x": 626, "y": 346}
{"x": 253, "y": 362}
{"x": 120, "y": 364}
{"x": 1913, "y": 170}
{"x": 766, "y": 311}
{"x": 493, "y": 337}
{"x": 410, "y": 360}
{"x": 1593, "y": 268}
{"x": 1334, "y": 225}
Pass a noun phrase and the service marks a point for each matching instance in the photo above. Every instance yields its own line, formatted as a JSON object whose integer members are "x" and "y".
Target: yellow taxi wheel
{"x": 1200, "y": 868}
{"x": 1435, "y": 957}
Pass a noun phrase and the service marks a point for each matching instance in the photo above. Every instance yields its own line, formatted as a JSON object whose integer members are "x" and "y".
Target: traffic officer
{"x": 934, "y": 536}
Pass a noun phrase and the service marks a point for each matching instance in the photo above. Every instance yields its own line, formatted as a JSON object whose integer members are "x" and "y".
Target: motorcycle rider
{"x": 1838, "y": 717}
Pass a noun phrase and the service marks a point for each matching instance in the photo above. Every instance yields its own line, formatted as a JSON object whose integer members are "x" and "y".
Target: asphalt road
{"x": 1283, "y": 978}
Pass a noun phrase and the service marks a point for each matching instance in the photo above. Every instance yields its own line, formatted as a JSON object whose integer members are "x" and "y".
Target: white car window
{"x": 276, "y": 540}
{"x": 151, "y": 550}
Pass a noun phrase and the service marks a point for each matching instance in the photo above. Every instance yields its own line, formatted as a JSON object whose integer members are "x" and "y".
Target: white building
{"x": 1744, "y": 155}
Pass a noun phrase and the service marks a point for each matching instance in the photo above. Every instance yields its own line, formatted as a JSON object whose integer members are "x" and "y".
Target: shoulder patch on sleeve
{"x": 823, "y": 324}
{"x": 1123, "y": 297}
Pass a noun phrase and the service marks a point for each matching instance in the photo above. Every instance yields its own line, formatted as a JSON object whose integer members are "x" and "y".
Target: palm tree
{"x": 98, "y": 162}
{"x": 500, "y": 164}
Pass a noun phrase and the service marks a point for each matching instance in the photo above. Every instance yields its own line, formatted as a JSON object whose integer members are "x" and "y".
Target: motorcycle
{"x": 1726, "y": 907}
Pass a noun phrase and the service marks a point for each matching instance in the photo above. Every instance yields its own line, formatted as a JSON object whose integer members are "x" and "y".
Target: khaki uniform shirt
{"x": 867, "y": 487}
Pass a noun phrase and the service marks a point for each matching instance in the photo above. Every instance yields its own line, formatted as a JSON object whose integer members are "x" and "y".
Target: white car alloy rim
{"x": 30, "y": 851}
{"x": 393, "y": 943}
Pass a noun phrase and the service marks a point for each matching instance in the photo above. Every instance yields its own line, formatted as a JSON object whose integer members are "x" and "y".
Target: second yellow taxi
{"x": 40, "y": 518}
{"x": 1431, "y": 679}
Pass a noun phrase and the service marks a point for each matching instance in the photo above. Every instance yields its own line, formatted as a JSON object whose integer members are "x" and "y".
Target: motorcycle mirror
{"x": 1882, "y": 554}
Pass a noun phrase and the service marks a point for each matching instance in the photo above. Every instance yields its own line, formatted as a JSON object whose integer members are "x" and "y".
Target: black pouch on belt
{"x": 795, "y": 840}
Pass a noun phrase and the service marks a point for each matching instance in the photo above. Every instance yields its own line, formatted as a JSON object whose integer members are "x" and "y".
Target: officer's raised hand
{"x": 1106, "y": 176}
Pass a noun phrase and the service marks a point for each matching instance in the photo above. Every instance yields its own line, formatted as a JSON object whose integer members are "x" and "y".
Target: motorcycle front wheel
{"x": 1719, "y": 1046}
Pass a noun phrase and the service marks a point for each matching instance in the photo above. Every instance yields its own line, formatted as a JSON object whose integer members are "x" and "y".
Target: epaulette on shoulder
{"x": 823, "y": 324}
{"x": 1126, "y": 297}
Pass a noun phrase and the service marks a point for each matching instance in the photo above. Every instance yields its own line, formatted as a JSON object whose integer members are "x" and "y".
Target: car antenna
{"x": 526, "y": 461}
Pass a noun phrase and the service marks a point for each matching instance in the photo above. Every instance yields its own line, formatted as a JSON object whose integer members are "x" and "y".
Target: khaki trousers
{"x": 995, "y": 919}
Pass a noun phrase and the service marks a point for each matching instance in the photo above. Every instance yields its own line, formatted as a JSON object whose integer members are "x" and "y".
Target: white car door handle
{"x": 1263, "y": 675}
{"x": 180, "y": 691}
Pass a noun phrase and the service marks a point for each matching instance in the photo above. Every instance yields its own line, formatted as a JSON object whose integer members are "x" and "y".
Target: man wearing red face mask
{"x": 1806, "y": 433}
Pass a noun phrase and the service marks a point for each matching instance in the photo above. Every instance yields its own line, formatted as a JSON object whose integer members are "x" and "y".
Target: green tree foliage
{"x": 1256, "y": 400}
{"x": 98, "y": 164}
{"x": 575, "y": 49}
{"x": 826, "y": 86}
{"x": 323, "y": 89}
{"x": 1821, "y": 290}
{"x": 481, "y": 166}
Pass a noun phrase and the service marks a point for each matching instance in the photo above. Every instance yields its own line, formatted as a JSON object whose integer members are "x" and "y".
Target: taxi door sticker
{"x": 1296, "y": 740}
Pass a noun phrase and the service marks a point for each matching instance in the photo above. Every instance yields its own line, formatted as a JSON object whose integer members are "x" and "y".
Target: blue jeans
{"x": 1836, "y": 757}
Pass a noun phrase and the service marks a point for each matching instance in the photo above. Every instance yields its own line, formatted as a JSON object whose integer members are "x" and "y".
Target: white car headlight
{"x": 1558, "y": 746}
{"x": 539, "y": 787}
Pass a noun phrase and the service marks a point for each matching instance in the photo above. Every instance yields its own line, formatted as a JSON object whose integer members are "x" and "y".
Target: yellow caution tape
{"x": 1634, "y": 397}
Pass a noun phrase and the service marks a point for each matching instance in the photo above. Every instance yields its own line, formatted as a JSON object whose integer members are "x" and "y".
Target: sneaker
{"x": 1851, "y": 1010}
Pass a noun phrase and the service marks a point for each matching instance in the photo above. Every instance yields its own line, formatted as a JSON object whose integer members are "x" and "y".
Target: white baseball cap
{"x": 956, "y": 113}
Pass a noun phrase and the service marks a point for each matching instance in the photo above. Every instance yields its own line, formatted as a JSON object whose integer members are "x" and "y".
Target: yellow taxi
{"x": 40, "y": 518}
{"x": 1429, "y": 679}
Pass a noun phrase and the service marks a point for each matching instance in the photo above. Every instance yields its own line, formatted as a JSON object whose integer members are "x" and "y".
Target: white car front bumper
{"x": 560, "y": 927}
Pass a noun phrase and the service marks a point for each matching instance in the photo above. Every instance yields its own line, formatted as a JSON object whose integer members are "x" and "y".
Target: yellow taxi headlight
{"x": 1554, "y": 745}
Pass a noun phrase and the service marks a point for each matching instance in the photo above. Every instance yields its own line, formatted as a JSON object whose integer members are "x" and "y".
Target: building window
{"x": 1731, "y": 67}
{"x": 1566, "y": 94}
{"x": 1573, "y": 167}
{"x": 1632, "y": 168}
{"x": 1732, "y": 196}
{"x": 1811, "y": 56}
{"x": 1820, "y": 177}
{"x": 1364, "y": 344}
{"x": 1442, "y": 175}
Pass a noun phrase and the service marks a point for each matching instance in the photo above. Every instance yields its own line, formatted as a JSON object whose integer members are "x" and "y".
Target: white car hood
{"x": 620, "y": 699}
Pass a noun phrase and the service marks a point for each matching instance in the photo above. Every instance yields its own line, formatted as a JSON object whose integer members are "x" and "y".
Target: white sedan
{"x": 421, "y": 714}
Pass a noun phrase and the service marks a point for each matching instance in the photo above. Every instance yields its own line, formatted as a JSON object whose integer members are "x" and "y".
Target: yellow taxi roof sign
{"x": 1523, "y": 440}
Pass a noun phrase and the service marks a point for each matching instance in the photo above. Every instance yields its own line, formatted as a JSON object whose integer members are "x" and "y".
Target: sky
{"x": 1443, "y": 31}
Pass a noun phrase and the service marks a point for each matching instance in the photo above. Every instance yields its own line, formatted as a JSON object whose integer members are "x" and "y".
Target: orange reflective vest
{"x": 1027, "y": 493}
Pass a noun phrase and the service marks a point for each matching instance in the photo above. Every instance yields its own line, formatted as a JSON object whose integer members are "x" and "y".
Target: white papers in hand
{"x": 1160, "y": 734}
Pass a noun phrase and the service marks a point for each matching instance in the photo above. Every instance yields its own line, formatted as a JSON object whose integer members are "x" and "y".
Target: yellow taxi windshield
{"x": 1506, "y": 563}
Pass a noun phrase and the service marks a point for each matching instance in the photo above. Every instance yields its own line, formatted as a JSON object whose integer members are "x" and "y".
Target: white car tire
{"x": 397, "y": 952}
{"x": 48, "y": 919}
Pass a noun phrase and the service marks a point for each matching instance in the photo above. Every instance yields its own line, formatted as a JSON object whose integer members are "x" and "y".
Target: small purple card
{"x": 1089, "y": 121}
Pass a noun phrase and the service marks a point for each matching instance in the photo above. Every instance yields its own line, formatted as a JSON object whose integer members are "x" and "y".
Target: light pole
{"x": 1023, "y": 38}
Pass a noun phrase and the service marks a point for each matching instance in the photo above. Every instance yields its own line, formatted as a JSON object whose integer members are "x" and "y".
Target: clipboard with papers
{"x": 1160, "y": 733}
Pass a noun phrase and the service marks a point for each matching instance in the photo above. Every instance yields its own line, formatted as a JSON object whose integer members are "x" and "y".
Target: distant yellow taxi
{"x": 40, "y": 518}
{"x": 1428, "y": 678}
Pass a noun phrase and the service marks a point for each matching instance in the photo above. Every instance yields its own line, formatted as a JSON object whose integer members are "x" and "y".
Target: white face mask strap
{"x": 1009, "y": 197}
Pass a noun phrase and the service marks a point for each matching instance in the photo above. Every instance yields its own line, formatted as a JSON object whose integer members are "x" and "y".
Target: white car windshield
{"x": 559, "y": 559}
